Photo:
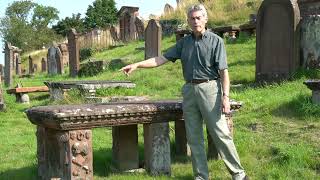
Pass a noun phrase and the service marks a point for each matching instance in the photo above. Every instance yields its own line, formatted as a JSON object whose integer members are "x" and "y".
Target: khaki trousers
{"x": 202, "y": 102}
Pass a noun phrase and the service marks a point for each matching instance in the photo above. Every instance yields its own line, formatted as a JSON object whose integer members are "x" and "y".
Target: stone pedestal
{"x": 125, "y": 147}
{"x": 64, "y": 154}
{"x": 314, "y": 85}
{"x": 157, "y": 148}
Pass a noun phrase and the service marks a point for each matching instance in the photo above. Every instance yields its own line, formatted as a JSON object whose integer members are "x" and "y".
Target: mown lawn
{"x": 277, "y": 131}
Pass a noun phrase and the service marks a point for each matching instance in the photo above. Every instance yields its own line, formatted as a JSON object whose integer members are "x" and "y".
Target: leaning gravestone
{"x": 277, "y": 40}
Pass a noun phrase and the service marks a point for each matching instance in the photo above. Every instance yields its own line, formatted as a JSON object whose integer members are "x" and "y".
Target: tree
{"x": 26, "y": 24}
{"x": 64, "y": 26}
{"x": 101, "y": 14}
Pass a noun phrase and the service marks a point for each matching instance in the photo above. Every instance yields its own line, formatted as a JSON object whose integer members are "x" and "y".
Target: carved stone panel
{"x": 64, "y": 154}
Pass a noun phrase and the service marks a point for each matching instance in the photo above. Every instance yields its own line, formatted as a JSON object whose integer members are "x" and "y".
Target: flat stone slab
{"x": 68, "y": 117}
{"x": 93, "y": 84}
{"x": 313, "y": 84}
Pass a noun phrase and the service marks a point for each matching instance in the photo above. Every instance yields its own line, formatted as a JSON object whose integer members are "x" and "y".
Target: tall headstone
{"x": 127, "y": 21}
{"x": 1, "y": 70}
{"x": 31, "y": 70}
{"x": 43, "y": 65}
{"x": 8, "y": 51}
{"x": 55, "y": 61}
{"x": 74, "y": 57}
{"x": 156, "y": 143}
{"x": 277, "y": 40}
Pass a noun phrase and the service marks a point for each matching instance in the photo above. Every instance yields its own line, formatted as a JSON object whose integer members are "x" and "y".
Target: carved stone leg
{"x": 182, "y": 148}
{"x": 64, "y": 154}
{"x": 125, "y": 147}
{"x": 157, "y": 148}
{"x": 212, "y": 150}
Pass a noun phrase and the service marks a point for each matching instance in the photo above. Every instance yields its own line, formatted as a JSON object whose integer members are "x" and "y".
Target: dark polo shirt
{"x": 202, "y": 58}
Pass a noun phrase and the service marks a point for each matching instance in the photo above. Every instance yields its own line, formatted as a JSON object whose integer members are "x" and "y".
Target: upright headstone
{"x": 43, "y": 65}
{"x": 31, "y": 70}
{"x": 8, "y": 51}
{"x": 310, "y": 34}
{"x": 2, "y": 105}
{"x": 65, "y": 53}
{"x": 1, "y": 70}
{"x": 18, "y": 65}
{"x": 55, "y": 61}
{"x": 277, "y": 40}
{"x": 127, "y": 19}
{"x": 74, "y": 48}
{"x": 156, "y": 142}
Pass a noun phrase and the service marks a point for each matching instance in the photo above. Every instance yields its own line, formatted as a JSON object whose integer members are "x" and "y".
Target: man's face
{"x": 197, "y": 22}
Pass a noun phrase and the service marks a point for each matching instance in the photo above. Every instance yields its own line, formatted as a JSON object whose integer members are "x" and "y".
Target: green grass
{"x": 276, "y": 131}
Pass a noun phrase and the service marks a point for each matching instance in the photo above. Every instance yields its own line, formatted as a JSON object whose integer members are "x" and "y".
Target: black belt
{"x": 199, "y": 81}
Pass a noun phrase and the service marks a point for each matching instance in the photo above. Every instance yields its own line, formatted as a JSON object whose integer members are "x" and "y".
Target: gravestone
{"x": 8, "y": 53}
{"x": 43, "y": 65}
{"x": 2, "y": 105}
{"x": 55, "y": 64}
{"x": 168, "y": 9}
{"x": 31, "y": 69}
{"x": 154, "y": 144}
{"x": 310, "y": 33}
{"x": 74, "y": 49}
{"x": 277, "y": 52}
{"x": 127, "y": 17}
{"x": 18, "y": 65}
{"x": 65, "y": 53}
{"x": 1, "y": 70}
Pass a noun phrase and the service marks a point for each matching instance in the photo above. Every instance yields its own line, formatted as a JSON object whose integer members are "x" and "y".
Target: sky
{"x": 69, "y": 7}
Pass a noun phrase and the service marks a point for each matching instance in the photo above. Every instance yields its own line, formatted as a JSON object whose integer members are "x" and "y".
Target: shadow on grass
{"x": 26, "y": 173}
{"x": 300, "y": 107}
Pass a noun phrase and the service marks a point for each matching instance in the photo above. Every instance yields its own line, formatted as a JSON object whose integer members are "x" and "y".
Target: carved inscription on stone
{"x": 81, "y": 154}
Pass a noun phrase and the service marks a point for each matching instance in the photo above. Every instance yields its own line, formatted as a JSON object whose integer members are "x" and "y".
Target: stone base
{"x": 316, "y": 97}
{"x": 64, "y": 154}
{"x": 157, "y": 148}
{"x": 125, "y": 147}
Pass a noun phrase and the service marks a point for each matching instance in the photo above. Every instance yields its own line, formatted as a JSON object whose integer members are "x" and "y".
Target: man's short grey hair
{"x": 198, "y": 7}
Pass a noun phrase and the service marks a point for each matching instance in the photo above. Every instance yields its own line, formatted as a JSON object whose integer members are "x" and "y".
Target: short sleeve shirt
{"x": 201, "y": 58}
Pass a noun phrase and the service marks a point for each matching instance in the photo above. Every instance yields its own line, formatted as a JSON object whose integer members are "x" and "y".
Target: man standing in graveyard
{"x": 205, "y": 93}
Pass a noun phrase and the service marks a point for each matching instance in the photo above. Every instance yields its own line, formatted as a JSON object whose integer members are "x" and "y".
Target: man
{"x": 205, "y": 93}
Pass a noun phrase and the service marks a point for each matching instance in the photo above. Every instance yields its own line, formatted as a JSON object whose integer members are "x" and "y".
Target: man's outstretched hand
{"x": 127, "y": 70}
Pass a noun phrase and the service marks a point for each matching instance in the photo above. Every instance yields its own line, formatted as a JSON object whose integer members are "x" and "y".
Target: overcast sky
{"x": 69, "y": 7}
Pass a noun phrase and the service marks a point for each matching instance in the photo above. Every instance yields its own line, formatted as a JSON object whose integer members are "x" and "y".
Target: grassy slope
{"x": 276, "y": 131}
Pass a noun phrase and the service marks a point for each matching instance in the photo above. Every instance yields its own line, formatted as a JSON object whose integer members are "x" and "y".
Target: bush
{"x": 86, "y": 53}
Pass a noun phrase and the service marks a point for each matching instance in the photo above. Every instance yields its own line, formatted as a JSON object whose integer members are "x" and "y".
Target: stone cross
{"x": 74, "y": 57}
{"x": 8, "y": 51}
{"x": 31, "y": 69}
{"x": 277, "y": 40}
